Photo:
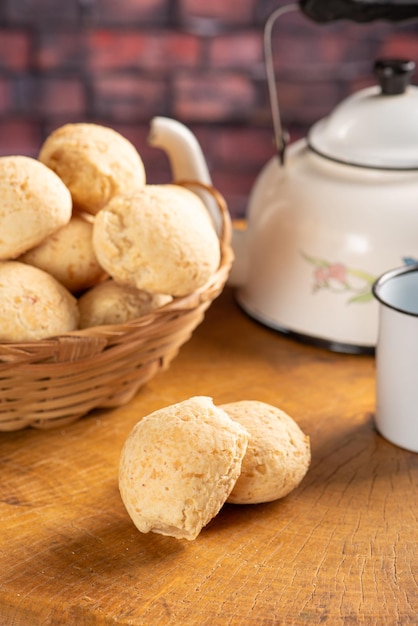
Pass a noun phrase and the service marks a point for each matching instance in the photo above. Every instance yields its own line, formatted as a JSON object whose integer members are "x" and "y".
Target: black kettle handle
{"x": 324, "y": 11}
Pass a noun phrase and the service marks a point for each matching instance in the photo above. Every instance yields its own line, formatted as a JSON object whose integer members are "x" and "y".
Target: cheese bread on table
{"x": 278, "y": 454}
{"x": 178, "y": 466}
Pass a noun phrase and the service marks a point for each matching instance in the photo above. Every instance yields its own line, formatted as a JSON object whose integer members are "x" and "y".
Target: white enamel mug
{"x": 397, "y": 357}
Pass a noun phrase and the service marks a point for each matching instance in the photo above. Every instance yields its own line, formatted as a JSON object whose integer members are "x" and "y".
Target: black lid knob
{"x": 394, "y": 75}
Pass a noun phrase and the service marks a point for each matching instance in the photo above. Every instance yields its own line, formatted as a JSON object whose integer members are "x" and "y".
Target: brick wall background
{"x": 120, "y": 62}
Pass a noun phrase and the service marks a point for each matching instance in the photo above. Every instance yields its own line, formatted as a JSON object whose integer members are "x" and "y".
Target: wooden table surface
{"x": 340, "y": 549}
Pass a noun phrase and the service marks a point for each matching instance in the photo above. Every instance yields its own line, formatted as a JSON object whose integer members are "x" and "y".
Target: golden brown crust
{"x": 110, "y": 303}
{"x": 68, "y": 255}
{"x": 178, "y": 466}
{"x": 33, "y": 305}
{"x": 278, "y": 453}
{"x": 160, "y": 240}
{"x": 95, "y": 163}
{"x": 34, "y": 203}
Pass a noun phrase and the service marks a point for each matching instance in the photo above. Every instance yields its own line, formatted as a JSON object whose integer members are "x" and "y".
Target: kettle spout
{"x": 185, "y": 156}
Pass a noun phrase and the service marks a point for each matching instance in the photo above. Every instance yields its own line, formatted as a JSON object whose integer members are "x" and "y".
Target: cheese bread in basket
{"x": 102, "y": 277}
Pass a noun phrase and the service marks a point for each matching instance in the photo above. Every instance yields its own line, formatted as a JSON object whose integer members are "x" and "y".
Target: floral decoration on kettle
{"x": 338, "y": 278}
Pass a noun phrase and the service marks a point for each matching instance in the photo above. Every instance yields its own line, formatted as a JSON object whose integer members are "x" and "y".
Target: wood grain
{"x": 340, "y": 549}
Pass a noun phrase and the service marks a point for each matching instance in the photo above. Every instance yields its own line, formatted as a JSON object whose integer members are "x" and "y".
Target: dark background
{"x": 121, "y": 62}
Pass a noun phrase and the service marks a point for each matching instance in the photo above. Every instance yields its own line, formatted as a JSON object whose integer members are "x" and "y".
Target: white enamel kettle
{"x": 329, "y": 214}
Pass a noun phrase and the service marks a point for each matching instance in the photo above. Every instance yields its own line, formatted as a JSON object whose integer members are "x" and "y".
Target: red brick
{"x": 324, "y": 48}
{"x": 60, "y": 50}
{"x": 292, "y": 57}
{"x": 231, "y": 11}
{"x": 63, "y": 96}
{"x": 136, "y": 133}
{"x": 160, "y": 50}
{"x": 235, "y": 188}
{"x": 23, "y": 11}
{"x": 236, "y": 50}
{"x": 306, "y": 102}
{"x": 6, "y": 103}
{"x": 233, "y": 182}
{"x": 19, "y": 137}
{"x": 14, "y": 50}
{"x": 244, "y": 147}
{"x": 157, "y": 166}
{"x": 213, "y": 97}
{"x": 110, "y": 11}
{"x": 400, "y": 46}
{"x": 129, "y": 97}
{"x": 50, "y": 96}
{"x": 125, "y": 11}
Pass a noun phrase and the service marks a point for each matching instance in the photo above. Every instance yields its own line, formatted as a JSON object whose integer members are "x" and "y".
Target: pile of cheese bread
{"x": 180, "y": 464}
{"x": 85, "y": 241}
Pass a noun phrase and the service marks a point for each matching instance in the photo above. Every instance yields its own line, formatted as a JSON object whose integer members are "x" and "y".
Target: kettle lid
{"x": 376, "y": 127}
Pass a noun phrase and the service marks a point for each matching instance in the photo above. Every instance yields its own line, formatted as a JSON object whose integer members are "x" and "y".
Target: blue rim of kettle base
{"x": 386, "y": 277}
{"x": 311, "y": 340}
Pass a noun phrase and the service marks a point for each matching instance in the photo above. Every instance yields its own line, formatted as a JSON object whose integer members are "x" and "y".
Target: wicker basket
{"x": 55, "y": 381}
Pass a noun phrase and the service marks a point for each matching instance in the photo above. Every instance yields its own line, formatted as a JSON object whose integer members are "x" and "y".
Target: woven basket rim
{"x": 56, "y": 381}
